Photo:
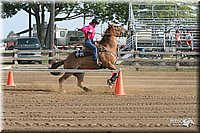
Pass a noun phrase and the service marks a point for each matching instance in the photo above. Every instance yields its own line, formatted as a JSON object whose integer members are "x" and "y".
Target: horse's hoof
{"x": 110, "y": 86}
{"x": 109, "y": 82}
{"x": 56, "y": 73}
{"x": 86, "y": 89}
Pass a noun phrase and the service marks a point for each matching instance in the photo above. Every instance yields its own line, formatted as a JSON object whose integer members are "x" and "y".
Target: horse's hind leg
{"x": 62, "y": 79}
{"x": 80, "y": 77}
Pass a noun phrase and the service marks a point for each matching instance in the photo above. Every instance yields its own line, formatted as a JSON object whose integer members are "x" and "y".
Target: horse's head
{"x": 109, "y": 36}
{"x": 119, "y": 31}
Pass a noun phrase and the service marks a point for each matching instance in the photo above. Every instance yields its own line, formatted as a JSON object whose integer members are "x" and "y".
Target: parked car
{"x": 28, "y": 43}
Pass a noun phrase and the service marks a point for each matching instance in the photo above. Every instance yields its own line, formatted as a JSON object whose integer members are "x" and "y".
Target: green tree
{"x": 38, "y": 9}
{"x": 71, "y": 10}
{"x": 116, "y": 12}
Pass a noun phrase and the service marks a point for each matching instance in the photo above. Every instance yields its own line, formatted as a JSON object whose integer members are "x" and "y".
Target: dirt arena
{"x": 154, "y": 101}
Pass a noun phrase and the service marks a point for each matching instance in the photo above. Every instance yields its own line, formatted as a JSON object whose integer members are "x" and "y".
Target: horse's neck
{"x": 109, "y": 42}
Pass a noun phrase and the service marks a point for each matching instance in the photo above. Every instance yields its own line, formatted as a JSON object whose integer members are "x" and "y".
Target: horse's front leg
{"x": 80, "y": 77}
{"x": 111, "y": 66}
{"x": 112, "y": 80}
{"x": 62, "y": 79}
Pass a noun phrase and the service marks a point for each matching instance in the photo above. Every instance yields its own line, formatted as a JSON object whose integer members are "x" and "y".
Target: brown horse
{"x": 107, "y": 55}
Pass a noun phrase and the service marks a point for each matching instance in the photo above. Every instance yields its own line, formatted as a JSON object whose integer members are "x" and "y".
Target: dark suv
{"x": 28, "y": 43}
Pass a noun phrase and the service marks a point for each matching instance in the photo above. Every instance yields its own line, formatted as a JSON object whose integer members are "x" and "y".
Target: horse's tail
{"x": 56, "y": 65}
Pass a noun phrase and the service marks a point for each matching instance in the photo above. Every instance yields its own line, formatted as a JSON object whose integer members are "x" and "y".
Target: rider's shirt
{"x": 88, "y": 31}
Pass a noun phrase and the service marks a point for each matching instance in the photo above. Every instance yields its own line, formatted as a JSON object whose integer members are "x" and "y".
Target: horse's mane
{"x": 108, "y": 33}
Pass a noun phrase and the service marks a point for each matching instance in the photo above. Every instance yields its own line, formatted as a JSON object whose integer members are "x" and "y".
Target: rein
{"x": 102, "y": 48}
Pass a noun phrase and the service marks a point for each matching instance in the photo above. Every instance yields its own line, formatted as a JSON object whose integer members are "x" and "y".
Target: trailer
{"x": 65, "y": 38}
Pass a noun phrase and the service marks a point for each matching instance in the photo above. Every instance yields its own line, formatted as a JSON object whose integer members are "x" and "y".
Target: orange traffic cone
{"x": 119, "y": 89}
{"x": 10, "y": 81}
{"x": 114, "y": 85}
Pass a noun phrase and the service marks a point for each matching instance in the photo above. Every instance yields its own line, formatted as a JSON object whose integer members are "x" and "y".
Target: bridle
{"x": 121, "y": 33}
{"x": 117, "y": 33}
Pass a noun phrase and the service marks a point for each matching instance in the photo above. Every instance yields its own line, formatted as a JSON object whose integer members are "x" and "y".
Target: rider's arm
{"x": 85, "y": 29}
{"x": 88, "y": 31}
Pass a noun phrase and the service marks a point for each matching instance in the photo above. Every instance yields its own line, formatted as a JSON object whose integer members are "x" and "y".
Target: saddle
{"x": 101, "y": 63}
{"x": 83, "y": 53}
{"x": 88, "y": 52}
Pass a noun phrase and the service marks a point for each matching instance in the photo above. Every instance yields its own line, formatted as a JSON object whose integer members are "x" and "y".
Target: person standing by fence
{"x": 189, "y": 39}
{"x": 178, "y": 38}
{"x": 169, "y": 39}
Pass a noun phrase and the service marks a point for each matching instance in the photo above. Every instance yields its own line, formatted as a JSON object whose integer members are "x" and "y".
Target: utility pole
{"x": 84, "y": 14}
{"x": 52, "y": 17}
{"x": 29, "y": 14}
{"x": 51, "y": 40}
{"x": 84, "y": 18}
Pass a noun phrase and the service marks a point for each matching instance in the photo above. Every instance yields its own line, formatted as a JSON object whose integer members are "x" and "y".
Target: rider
{"x": 89, "y": 32}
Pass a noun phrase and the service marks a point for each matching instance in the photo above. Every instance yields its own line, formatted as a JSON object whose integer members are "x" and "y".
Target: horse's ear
{"x": 109, "y": 24}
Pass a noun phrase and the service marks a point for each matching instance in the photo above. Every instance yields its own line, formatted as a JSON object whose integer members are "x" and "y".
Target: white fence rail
{"x": 37, "y": 69}
{"x": 136, "y": 56}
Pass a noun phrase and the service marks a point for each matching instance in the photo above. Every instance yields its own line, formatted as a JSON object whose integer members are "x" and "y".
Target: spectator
{"x": 169, "y": 39}
{"x": 189, "y": 39}
{"x": 178, "y": 38}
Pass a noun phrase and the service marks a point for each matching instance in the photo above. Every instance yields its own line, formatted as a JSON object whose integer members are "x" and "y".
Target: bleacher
{"x": 150, "y": 32}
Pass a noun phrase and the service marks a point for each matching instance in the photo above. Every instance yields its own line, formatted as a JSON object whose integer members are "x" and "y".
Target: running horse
{"x": 107, "y": 53}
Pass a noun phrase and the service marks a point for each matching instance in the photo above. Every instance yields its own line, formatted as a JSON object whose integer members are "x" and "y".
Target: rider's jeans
{"x": 90, "y": 44}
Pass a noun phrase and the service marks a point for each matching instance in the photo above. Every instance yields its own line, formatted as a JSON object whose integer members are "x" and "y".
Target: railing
{"x": 150, "y": 38}
{"x": 137, "y": 56}
{"x": 12, "y": 55}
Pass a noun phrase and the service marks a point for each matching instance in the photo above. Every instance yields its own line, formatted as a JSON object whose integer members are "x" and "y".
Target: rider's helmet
{"x": 95, "y": 21}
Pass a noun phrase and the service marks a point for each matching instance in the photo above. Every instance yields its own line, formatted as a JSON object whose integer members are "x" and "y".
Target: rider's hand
{"x": 90, "y": 31}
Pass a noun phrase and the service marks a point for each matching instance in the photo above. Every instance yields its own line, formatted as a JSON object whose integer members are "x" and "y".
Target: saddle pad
{"x": 81, "y": 53}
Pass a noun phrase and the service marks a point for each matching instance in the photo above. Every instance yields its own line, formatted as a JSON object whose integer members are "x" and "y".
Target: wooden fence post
{"x": 137, "y": 60}
{"x": 178, "y": 56}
